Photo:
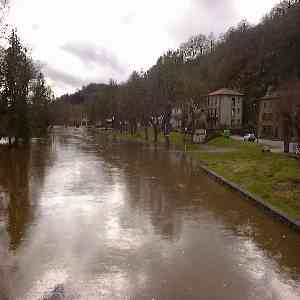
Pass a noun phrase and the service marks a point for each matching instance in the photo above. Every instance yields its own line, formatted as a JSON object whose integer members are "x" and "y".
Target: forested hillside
{"x": 251, "y": 59}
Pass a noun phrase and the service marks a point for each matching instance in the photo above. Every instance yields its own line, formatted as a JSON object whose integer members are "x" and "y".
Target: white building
{"x": 225, "y": 109}
{"x": 176, "y": 118}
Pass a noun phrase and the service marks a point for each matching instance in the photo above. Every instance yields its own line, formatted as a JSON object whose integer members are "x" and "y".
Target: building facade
{"x": 189, "y": 115}
{"x": 270, "y": 125}
{"x": 176, "y": 118}
{"x": 225, "y": 109}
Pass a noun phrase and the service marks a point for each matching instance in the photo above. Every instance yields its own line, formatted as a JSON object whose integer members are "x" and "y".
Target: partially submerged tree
{"x": 167, "y": 75}
{"x": 41, "y": 97}
{"x": 17, "y": 71}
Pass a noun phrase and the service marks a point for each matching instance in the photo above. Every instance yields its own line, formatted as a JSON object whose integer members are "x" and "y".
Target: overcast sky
{"x": 79, "y": 42}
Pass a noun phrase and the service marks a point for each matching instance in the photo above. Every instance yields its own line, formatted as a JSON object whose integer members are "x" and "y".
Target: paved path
{"x": 276, "y": 146}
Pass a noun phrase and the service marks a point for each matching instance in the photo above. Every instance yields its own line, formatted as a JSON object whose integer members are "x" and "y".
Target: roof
{"x": 270, "y": 96}
{"x": 225, "y": 92}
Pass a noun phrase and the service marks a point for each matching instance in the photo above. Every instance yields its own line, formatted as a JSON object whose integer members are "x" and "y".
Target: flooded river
{"x": 84, "y": 218}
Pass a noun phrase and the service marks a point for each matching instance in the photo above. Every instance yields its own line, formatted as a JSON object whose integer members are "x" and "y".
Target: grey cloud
{"x": 93, "y": 55}
{"x": 65, "y": 82}
{"x": 62, "y": 78}
{"x": 205, "y": 16}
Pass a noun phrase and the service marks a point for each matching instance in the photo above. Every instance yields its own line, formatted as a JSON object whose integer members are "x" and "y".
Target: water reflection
{"x": 186, "y": 189}
{"x": 58, "y": 293}
{"x": 116, "y": 221}
{"x": 14, "y": 176}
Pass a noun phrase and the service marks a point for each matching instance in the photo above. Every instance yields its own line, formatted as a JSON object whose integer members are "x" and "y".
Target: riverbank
{"x": 272, "y": 177}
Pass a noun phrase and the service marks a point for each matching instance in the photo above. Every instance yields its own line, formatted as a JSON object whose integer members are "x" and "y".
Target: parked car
{"x": 249, "y": 137}
{"x": 298, "y": 149}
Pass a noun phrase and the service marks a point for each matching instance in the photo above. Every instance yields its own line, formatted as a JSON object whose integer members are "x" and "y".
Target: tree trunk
{"x": 167, "y": 125}
{"x": 167, "y": 139}
{"x": 135, "y": 127}
{"x": 286, "y": 138}
{"x": 155, "y": 133}
{"x": 132, "y": 128}
{"x": 167, "y": 131}
{"x": 192, "y": 128}
{"x": 146, "y": 133}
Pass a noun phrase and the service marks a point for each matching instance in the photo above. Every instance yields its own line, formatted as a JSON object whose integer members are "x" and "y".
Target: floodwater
{"x": 85, "y": 218}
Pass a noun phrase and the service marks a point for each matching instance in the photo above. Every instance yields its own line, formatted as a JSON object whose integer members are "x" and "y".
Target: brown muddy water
{"x": 84, "y": 218}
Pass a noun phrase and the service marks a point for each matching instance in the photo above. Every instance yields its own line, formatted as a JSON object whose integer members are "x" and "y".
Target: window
{"x": 233, "y": 101}
{"x": 267, "y": 116}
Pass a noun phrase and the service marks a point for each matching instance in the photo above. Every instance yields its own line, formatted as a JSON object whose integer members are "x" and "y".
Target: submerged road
{"x": 82, "y": 217}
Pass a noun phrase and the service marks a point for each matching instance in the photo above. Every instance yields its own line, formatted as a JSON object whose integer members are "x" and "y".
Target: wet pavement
{"x": 84, "y": 217}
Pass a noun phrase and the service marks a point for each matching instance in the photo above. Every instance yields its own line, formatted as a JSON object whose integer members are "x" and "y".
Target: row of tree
{"x": 24, "y": 95}
{"x": 251, "y": 59}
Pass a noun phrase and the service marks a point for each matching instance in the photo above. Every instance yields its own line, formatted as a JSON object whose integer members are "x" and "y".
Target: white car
{"x": 249, "y": 137}
{"x": 298, "y": 149}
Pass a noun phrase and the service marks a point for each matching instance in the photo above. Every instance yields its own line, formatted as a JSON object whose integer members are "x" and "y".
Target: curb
{"x": 269, "y": 208}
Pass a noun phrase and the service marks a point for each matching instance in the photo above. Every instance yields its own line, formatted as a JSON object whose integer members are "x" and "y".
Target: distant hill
{"x": 251, "y": 59}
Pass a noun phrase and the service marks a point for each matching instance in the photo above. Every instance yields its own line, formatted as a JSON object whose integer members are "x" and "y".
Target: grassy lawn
{"x": 176, "y": 139}
{"x": 275, "y": 177}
